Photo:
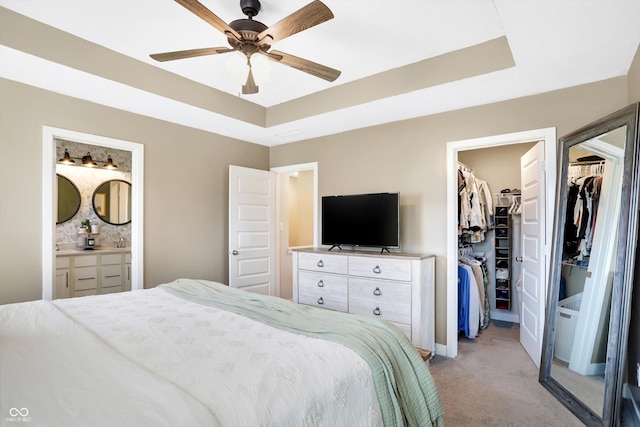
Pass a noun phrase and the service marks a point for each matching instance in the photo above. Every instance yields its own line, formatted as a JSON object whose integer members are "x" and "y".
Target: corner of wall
{"x": 633, "y": 78}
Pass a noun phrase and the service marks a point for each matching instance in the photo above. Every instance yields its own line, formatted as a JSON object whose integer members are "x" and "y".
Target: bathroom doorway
{"x": 49, "y": 201}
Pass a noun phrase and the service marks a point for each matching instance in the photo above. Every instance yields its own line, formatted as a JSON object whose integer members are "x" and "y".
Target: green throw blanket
{"x": 404, "y": 386}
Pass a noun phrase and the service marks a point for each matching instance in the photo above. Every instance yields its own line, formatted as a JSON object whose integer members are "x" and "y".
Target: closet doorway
{"x": 498, "y": 147}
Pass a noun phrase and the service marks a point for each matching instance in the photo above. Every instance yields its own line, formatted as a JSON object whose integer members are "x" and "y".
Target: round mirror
{"x": 68, "y": 199}
{"x": 112, "y": 202}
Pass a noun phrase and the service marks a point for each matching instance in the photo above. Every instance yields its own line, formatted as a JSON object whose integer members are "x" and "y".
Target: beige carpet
{"x": 493, "y": 382}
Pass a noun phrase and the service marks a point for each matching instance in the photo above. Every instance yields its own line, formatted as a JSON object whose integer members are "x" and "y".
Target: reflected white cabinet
{"x": 92, "y": 273}
{"x": 396, "y": 287}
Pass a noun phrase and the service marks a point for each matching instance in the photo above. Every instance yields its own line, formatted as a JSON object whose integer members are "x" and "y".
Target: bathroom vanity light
{"x": 87, "y": 161}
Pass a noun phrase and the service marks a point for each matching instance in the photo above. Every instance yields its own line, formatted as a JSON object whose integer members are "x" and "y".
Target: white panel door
{"x": 252, "y": 248}
{"x": 532, "y": 304}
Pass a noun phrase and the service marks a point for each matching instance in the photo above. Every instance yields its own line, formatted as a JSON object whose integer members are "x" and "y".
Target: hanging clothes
{"x": 473, "y": 298}
{"x": 475, "y": 206}
{"x": 468, "y": 302}
{"x": 583, "y": 195}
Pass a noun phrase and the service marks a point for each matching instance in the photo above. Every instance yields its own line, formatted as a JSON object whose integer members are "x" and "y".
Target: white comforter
{"x": 148, "y": 358}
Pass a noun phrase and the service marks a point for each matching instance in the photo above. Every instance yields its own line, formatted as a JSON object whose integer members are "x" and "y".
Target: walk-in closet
{"x": 489, "y": 238}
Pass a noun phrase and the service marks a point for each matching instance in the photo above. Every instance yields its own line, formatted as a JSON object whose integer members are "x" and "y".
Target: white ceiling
{"x": 555, "y": 44}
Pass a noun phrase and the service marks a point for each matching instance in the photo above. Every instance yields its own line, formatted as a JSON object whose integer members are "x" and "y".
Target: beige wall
{"x": 185, "y": 194}
{"x": 498, "y": 166}
{"x": 410, "y": 156}
{"x": 186, "y": 175}
{"x": 304, "y": 209}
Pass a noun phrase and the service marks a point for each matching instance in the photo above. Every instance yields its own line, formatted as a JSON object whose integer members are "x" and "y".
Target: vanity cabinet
{"x": 127, "y": 271}
{"x": 61, "y": 289}
{"x": 92, "y": 274}
{"x": 396, "y": 287}
{"x": 84, "y": 273}
{"x": 111, "y": 273}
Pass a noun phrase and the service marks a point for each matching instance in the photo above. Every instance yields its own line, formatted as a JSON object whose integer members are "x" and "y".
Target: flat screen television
{"x": 371, "y": 220}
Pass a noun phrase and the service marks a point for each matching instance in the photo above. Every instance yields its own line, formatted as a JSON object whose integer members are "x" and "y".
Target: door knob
{"x": 519, "y": 258}
{"x": 234, "y": 252}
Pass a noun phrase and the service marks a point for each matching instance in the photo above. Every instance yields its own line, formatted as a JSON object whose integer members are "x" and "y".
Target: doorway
{"x": 548, "y": 137}
{"x": 296, "y": 218}
{"x": 49, "y": 201}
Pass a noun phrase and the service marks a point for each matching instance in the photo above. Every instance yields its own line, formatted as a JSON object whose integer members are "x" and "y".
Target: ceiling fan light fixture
{"x": 238, "y": 67}
{"x": 260, "y": 67}
{"x": 253, "y": 39}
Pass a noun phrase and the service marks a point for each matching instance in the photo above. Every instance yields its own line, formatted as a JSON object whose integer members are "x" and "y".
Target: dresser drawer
{"x": 111, "y": 275}
{"x": 382, "y": 310}
{"x": 309, "y": 280}
{"x": 323, "y": 262}
{"x": 404, "y": 328}
{"x": 321, "y": 298}
{"x": 85, "y": 278}
{"x": 380, "y": 290}
{"x": 380, "y": 268}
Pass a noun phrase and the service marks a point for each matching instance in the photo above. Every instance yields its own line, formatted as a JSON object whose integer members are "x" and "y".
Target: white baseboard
{"x": 441, "y": 350}
{"x": 505, "y": 317}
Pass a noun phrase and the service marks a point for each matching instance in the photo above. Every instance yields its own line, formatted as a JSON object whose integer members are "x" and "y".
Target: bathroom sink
{"x": 102, "y": 249}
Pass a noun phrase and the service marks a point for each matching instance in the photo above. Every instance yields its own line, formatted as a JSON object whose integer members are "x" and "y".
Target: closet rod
{"x": 464, "y": 167}
{"x": 587, "y": 163}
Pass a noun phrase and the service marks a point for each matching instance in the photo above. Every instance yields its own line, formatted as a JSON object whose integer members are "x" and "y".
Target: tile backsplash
{"x": 87, "y": 180}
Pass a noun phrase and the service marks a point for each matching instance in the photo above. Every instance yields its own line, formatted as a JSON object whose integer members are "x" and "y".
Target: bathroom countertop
{"x": 98, "y": 250}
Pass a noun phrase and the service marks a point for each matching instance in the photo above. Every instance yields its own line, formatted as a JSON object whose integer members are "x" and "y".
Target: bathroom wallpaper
{"x": 87, "y": 180}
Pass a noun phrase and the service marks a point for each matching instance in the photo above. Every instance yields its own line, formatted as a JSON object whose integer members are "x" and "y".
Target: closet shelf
{"x": 502, "y": 239}
{"x": 575, "y": 264}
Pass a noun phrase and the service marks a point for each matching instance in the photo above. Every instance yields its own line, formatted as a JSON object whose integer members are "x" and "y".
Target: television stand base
{"x": 384, "y": 249}
{"x": 335, "y": 246}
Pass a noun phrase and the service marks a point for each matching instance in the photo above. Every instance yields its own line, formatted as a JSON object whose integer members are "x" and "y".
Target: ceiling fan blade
{"x": 309, "y": 16}
{"x": 315, "y": 69}
{"x": 250, "y": 86}
{"x": 211, "y": 18}
{"x": 191, "y": 53}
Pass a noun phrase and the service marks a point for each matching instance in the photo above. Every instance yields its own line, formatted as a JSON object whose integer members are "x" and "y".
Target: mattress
{"x": 153, "y": 358}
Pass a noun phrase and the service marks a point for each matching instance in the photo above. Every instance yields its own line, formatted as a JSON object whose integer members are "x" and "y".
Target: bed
{"x": 198, "y": 353}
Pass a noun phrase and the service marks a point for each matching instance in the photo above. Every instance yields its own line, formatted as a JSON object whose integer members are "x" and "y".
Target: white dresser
{"x": 395, "y": 287}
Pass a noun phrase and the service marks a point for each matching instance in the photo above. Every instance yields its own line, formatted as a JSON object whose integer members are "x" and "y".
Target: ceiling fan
{"x": 252, "y": 37}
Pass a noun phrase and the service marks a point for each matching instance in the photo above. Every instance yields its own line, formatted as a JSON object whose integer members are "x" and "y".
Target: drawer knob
{"x": 320, "y": 264}
{"x": 376, "y": 311}
{"x": 320, "y": 301}
{"x": 377, "y": 292}
{"x": 320, "y": 284}
{"x": 376, "y": 269}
